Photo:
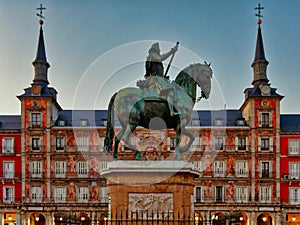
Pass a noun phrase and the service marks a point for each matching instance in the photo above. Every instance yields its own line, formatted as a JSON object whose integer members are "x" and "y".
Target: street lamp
{"x": 294, "y": 218}
{"x": 264, "y": 219}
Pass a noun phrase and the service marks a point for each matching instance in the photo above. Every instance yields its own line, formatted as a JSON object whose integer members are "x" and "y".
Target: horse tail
{"x": 108, "y": 141}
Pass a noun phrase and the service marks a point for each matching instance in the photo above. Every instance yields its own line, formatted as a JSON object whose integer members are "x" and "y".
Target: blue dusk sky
{"x": 96, "y": 47}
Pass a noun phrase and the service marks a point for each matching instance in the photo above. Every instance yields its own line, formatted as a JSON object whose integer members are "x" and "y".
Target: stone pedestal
{"x": 150, "y": 188}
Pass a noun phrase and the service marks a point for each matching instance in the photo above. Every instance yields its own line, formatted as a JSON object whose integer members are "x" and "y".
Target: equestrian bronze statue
{"x": 153, "y": 99}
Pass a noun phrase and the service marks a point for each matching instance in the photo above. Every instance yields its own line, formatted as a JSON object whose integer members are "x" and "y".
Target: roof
{"x": 290, "y": 123}
{"x": 10, "y": 122}
{"x": 255, "y": 92}
{"x": 97, "y": 118}
{"x": 259, "y": 51}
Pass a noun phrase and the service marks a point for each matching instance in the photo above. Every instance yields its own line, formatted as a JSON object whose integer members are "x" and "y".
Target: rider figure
{"x": 154, "y": 67}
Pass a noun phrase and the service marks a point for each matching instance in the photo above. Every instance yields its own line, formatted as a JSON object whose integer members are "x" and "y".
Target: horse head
{"x": 202, "y": 74}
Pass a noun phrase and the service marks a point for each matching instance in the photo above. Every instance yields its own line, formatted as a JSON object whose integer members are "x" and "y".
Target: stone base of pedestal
{"x": 150, "y": 188}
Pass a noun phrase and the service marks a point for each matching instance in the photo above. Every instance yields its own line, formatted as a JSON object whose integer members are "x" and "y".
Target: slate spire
{"x": 40, "y": 63}
{"x": 260, "y": 63}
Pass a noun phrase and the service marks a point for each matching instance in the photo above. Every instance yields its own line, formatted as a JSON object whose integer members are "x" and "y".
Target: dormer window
{"x": 218, "y": 122}
{"x": 240, "y": 122}
{"x": 36, "y": 119}
{"x": 195, "y": 122}
{"x": 61, "y": 123}
{"x": 83, "y": 122}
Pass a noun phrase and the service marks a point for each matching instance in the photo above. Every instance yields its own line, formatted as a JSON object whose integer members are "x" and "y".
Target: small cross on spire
{"x": 40, "y": 14}
{"x": 258, "y": 14}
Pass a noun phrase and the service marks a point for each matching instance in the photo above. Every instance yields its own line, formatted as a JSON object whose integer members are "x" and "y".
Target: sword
{"x": 167, "y": 70}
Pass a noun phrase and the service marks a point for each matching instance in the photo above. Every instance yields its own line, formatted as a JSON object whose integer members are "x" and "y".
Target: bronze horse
{"x": 134, "y": 108}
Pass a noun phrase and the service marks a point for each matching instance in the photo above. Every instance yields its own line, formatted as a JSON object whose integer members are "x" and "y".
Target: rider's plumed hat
{"x": 154, "y": 47}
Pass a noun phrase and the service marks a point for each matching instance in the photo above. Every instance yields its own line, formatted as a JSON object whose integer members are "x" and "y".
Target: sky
{"x": 97, "y": 47}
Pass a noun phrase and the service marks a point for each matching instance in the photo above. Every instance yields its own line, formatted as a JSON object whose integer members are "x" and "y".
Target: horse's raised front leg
{"x": 191, "y": 139}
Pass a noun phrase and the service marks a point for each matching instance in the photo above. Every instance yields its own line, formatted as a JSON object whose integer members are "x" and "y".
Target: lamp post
{"x": 37, "y": 219}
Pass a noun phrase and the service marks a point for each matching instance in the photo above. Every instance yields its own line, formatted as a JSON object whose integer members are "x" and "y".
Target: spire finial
{"x": 258, "y": 14}
{"x": 40, "y": 14}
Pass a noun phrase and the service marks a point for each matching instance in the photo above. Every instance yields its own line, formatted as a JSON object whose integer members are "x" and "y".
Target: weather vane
{"x": 40, "y": 14}
{"x": 258, "y": 14}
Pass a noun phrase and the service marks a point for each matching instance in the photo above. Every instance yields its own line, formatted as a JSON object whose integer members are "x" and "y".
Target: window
{"x": 60, "y": 194}
{"x": 83, "y": 194}
{"x": 218, "y": 143}
{"x": 219, "y": 195}
{"x": 242, "y": 194}
{"x": 242, "y": 144}
{"x": 265, "y": 119}
{"x": 265, "y": 170}
{"x": 60, "y": 169}
{"x": 82, "y": 169}
{"x": 8, "y": 194}
{"x": 265, "y": 144}
{"x": 171, "y": 144}
{"x": 9, "y": 169}
{"x": 242, "y": 168}
{"x": 36, "y": 194}
{"x": 294, "y": 170}
{"x": 294, "y": 147}
{"x": 35, "y": 169}
{"x": 240, "y": 122}
{"x": 196, "y": 145}
{"x": 36, "y": 119}
{"x": 199, "y": 197}
{"x": 195, "y": 122}
{"x": 83, "y": 122}
{"x": 219, "y": 168}
{"x": 103, "y": 165}
{"x": 61, "y": 123}
{"x": 60, "y": 143}
{"x": 103, "y": 195}
{"x": 294, "y": 196}
{"x": 198, "y": 165}
{"x": 7, "y": 145}
{"x": 36, "y": 144}
{"x": 265, "y": 194}
{"x": 218, "y": 122}
{"x": 83, "y": 143}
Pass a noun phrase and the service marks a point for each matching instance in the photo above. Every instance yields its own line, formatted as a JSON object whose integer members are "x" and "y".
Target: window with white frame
{"x": 241, "y": 168}
{"x": 265, "y": 194}
{"x": 60, "y": 194}
{"x": 219, "y": 143}
{"x": 219, "y": 168}
{"x": 195, "y": 122}
{"x": 242, "y": 194}
{"x": 60, "y": 143}
{"x": 294, "y": 146}
{"x": 197, "y": 144}
{"x": 265, "y": 119}
{"x": 103, "y": 165}
{"x": 218, "y": 122}
{"x": 241, "y": 144}
{"x": 36, "y": 194}
{"x": 101, "y": 144}
{"x": 83, "y": 122}
{"x": 265, "y": 144}
{"x": 294, "y": 170}
{"x": 219, "y": 193}
{"x": 82, "y": 143}
{"x": 8, "y": 146}
{"x": 265, "y": 169}
{"x": 82, "y": 168}
{"x": 9, "y": 169}
{"x": 199, "y": 194}
{"x": 36, "y": 119}
{"x": 60, "y": 169}
{"x": 35, "y": 169}
{"x": 8, "y": 194}
{"x": 83, "y": 194}
{"x": 197, "y": 164}
{"x": 103, "y": 195}
{"x": 36, "y": 144}
{"x": 294, "y": 196}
